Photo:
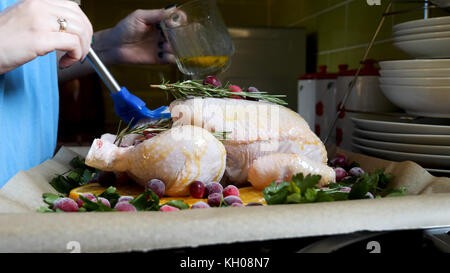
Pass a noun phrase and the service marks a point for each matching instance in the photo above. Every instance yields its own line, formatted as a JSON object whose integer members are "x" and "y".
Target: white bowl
{"x": 422, "y": 36}
{"x": 420, "y": 100}
{"x": 415, "y": 64}
{"x": 428, "y": 48}
{"x": 442, "y": 82}
{"x": 416, "y": 73}
{"x": 419, "y": 30}
{"x": 422, "y": 23}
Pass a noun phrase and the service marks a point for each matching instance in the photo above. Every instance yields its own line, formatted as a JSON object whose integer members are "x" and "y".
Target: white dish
{"x": 403, "y": 147}
{"x": 416, "y": 73}
{"x": 418, "y": 30}
{"x": 390, "y": 124}
{"x": 420, "y": 100}
{"x": 427, "y": 48}
{"x": 432, "y": 161}
{"x": 421, "y": 36}
{"x": 425, "y": 139}
{"x": 415, "y": 64}
{"x": 441, "y": 82}
{"x": 445, "y": 20}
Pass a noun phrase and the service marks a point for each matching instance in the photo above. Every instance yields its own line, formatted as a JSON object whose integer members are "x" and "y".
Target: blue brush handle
{"x": 129, "y": 107}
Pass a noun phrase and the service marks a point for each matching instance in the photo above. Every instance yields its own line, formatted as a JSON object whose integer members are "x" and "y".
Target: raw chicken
{"x": 178, "y": 157}
{"x": 275, "y": 167}
{"x": 255, "y": 129}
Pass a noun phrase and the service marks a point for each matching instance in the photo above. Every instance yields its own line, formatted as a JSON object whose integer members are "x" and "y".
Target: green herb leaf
{"x": 311, "y": 195}
{"x": 77, "y": 162}
{"x": 94, "y": 206}
{"x": 50, "y": 198}
{"x": 359, "y": 190}
{"x": 276, "y": 194}
{"x": 61, "y": 184}
{"x": 111, "y": 195}
{"x": 395, "y": 192}
{"x": 86, "y": 177}
{"x": 146, "y": 201}
{"x": 43, "y": 209}
{"x": 294, "y": 198}
{"x": 178, "y": 204}
{"x": 304, "y": 183}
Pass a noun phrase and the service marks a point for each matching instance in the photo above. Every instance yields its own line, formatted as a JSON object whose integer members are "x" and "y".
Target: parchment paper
{"x": 24, "y": 230}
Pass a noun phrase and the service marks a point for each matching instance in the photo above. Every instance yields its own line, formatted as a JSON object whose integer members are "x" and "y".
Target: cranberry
{"x": 356, "y": 171}
{"x": 167, "y": 208}
{"x": 124, "y": 206}
{"x": 125, "y": 199}
{"x": 200, "y": 205}
{"x": 254, "y": 204}
{"x": 66, "y": 204}
{"x": 157, "y": 186}
{"x": 339, "y": 161}
{"x": 230, "y": 190}
{"x": 89, "y": 196}
{"x": 215, "y": 199}
{"x": 340, "y": 174}
{"x": 231, "y": 199}
{"x": 211, "y": 188}
{"x": 104, "y": 201}
{"x": 213, "y": 81}
{"x": 235, "y": 89}
{"x": 252, "y": 89}
{"x": 197, "y": 189}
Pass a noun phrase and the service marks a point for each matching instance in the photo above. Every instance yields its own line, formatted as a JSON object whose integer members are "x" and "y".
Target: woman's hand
{"x": 30, "y": 28}
{"x": 136, "y": 39}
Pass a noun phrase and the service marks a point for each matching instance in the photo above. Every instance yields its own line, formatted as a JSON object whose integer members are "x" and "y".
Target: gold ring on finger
{"x": 62, "y": 24}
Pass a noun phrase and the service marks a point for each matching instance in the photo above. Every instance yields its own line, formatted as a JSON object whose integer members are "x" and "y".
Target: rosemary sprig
{"x": 196, "y": 88}
{"x": 153, "y": 127}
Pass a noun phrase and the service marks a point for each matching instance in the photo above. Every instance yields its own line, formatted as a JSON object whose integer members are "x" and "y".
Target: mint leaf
{"x": 94, "y": 206}
{"x": 177, "y": 204}
{"x": 61, "y": 184}
{"x": 359, "y": 190}
{"x": 50, "y": 198}
{"x": 146, "y": 201}
{"x": 43, "y": 209}
{"x": 86, "y": 177}
{"x": 111, "y": 195}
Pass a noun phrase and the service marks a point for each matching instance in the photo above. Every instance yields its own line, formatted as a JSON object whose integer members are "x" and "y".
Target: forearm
{"x": 104, "y": 50}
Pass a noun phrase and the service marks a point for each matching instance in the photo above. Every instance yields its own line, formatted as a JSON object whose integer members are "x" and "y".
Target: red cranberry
{"x": 213, "y": 81}
{"x": 197, "y": 189}
{"x": 230, "y": 190}
{"x": 340, "y": 174}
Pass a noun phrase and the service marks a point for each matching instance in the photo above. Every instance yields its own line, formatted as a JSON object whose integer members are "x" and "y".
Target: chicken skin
{"x": 254, "y": 129}
{"x": 178, "y": 157}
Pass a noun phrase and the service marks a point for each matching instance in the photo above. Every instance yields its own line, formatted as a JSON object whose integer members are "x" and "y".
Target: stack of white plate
{"x": 425, "y": 141}
{"x": 424, "y": 38}
{"x": 420, "y": 87}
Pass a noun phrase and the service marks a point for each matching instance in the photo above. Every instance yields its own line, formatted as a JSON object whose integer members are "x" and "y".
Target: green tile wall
{"x": 339, "y": 30}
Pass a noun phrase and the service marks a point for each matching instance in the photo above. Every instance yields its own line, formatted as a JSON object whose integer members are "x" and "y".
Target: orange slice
{"x": 247, "y": 194}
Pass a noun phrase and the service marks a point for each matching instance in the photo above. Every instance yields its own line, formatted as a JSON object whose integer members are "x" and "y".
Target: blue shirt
{"x": 29, "y": 102}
